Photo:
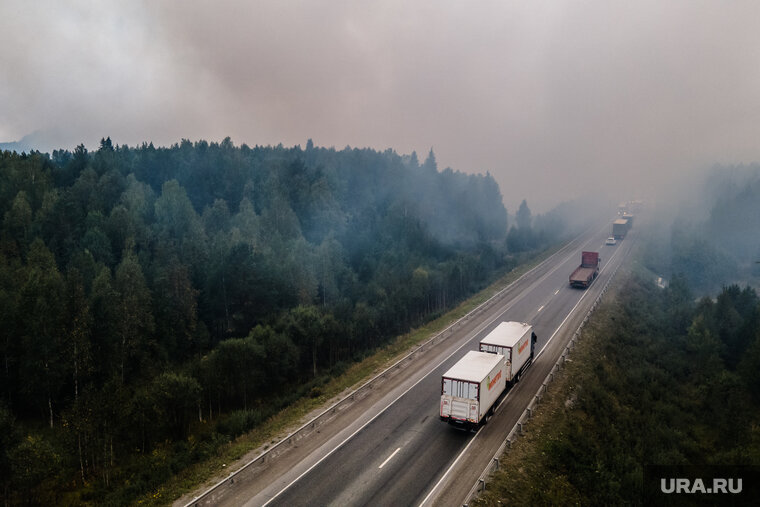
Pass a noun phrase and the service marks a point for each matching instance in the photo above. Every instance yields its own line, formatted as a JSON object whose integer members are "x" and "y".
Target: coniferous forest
{"x": 159, "y": 301}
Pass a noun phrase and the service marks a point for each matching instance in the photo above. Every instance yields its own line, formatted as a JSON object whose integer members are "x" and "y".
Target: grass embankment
{"x": 287, "y": 420}
{"x": 655, "y": 379}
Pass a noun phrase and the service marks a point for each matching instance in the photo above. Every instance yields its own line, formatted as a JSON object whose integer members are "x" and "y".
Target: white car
{"x": 610, "y": 241}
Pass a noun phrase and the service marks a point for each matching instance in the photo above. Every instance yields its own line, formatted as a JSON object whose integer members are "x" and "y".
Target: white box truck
{"x": 470, "y": 388}
{"x": 515, "y": 341}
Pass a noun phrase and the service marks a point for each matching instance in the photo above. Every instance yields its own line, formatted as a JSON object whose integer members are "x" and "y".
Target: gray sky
{"x": 552, "y": 97}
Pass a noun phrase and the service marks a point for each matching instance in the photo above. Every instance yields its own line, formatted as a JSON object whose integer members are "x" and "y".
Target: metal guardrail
{"x": 216, "y": 492}
{"x": 517, "y": 429}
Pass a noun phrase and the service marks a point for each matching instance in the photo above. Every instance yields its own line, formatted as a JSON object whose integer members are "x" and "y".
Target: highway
{"x": 390, "y": 448}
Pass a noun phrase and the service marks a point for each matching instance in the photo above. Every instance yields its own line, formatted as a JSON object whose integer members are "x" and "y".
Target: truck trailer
{"x": 587, "y": 271}
{"x": 515, "y": 341}
{"x": 470, "y": 388}
{"x": 620, "y": 228}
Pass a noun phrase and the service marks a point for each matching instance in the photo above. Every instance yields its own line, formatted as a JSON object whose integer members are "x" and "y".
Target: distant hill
{"x": 38, "y": 140}
{"x": 17, "y": 146}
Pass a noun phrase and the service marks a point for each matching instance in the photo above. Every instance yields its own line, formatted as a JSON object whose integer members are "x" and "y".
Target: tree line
{"x": 715, "y": 238}
{"x": 159, "y": 301}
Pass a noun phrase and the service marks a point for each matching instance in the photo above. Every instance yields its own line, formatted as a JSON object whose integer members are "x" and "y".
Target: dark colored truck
{"x": 620, "y": 228}
{"x": 587, "y": 271}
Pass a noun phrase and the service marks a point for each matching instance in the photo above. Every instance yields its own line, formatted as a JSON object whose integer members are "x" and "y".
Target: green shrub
{"x": 238, "y": 422}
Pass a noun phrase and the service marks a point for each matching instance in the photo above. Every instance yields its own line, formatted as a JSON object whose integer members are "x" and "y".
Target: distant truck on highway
{"x": 471, "y": 388}
{"x": 620, "y": 228}
{"x": 587, "y": 272}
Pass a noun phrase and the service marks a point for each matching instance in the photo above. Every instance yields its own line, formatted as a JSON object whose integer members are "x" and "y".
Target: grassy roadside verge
{"x": 230, "y": 456}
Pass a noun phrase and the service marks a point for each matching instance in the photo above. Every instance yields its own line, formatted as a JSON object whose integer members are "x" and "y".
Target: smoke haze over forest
{"x": 551, "y": 98}
{"x": 241, "y": 206}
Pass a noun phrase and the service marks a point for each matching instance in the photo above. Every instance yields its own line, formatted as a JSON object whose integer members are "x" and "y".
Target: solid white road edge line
{"x": 559, "y": 327}
{"x": 571, "y": 311}
{"x": 389, "y": 457}
{"x": 574, "y": 307}
{"x": 451, "y": 467}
